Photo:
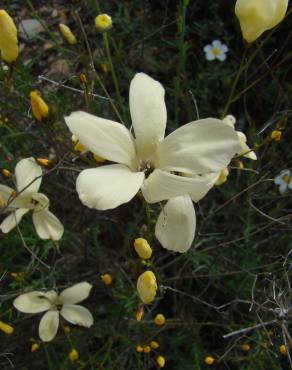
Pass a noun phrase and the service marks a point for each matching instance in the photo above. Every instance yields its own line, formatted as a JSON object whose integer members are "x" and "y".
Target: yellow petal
{"x": 258, "y": 16}
{"x": 39, "y": 107}
{"x": 147, "y": 287}
{"x": 8, "y": 38}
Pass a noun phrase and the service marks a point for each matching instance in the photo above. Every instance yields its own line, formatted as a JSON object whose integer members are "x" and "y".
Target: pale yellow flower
{"x": 147, "y": 287}
{"x": 67, "y": 33}
{"x": 142, "y": 248}
{"x": 54, "y": 305}
{"x": 28, "y": 175}
{"x": 39, "y": 107}
{"x": 258, "y": 16}
{"x": 8, "y": 38}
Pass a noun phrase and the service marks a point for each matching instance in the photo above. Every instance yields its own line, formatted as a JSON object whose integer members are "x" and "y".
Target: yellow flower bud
{"x": 143, "y": 248}
{"x": 222, "y": 177}
{"x": 74, "y": 355}
{"x": 34, "y": 347}
{"x": 209, "y": 360}
{"x": 7, "y": 329}
{"x": 283, "y": 350}
{"x": 139, "y": 348}
{"x": 245, "y": 347}
{"x": 104, "y": 68}
{"x": 159, "y": 319}
{"x": 139, "y": 313}
{"x": 39, "y": 107}
{"x": 160, "y": 360}
{"x": 83, "y": 78}
{"x": 107, "y": 279}
{"x": 154, "y": 344}
{"x": 8, "y": 38}
{"x": 67, "y": 329}
{"x": 103, "y": 22}
{"x": 6, "y": 173}
{"x": 67, "y": 33}
{"x": 44, "y": 162}
{"x": 276, "y": 135}
{"x": 147, "y": 287}
{"x": 147, "y": 349}
{"x": 258, "y": 16}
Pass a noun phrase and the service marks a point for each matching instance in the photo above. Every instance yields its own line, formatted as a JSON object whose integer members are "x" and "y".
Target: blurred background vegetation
{"x": 240, "y": 255}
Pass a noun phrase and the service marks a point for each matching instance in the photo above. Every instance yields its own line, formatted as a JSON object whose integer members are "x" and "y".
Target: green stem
{"x": 182, "y": 56}
{"x": 235, "y": 82}
{"x": 113, "y": 72}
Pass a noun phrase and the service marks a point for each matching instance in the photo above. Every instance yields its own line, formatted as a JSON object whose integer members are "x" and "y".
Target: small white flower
{"x": 63, "y": 304}
{"x": 245, "y": 150}
{"x": 284, "y": 180}
{"x": 28, "y": 180}
{"x": 216, "y": 50}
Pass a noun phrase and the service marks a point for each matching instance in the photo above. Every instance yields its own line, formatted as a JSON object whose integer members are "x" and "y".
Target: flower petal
{"x": 49, "y": 325}
{"x": 161, "y": 185}
{"x": 5, "y": 194}
{"x": 34, "y": 302}
{"x": 107, "y": 187}
{"x": 198, "y": 147}
{"x": 176, "y": 224}
{"x": 75, "y": 293}
{"x": 28, "y": 171}
{"x": 12, "y": 220}
{"x": 77, "y": 315}
{"x": 148, "y": 112}
{"x": 47, "y": 225}
{"x": 244, "y": 148}
{"x": 107, "y": 139}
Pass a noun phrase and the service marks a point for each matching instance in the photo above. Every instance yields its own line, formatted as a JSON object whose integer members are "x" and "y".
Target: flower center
{"x": 146, "y": 167}
{"x": 287, "y": 179}
{"x": 216, "y": 51}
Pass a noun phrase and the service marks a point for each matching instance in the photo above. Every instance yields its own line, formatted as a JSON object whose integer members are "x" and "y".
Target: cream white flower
{"x": 216, "y": 50}
{"x": 27, "y": 198}
{"x": 63, "y": 304}
{"x": 284, "y": 180}
{"x": 245, "y": 150}
{"x": 149, "y": 161}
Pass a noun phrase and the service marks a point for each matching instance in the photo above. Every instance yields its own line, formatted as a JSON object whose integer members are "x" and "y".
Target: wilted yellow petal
{"x": 8, "y": 38}
{"x": 67, "y": 33}
{"x": 147, "y": 287}
{"x": 258, "y": 16}
{"x": 6, "y": 328}
{"x": 39, "y": 107}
